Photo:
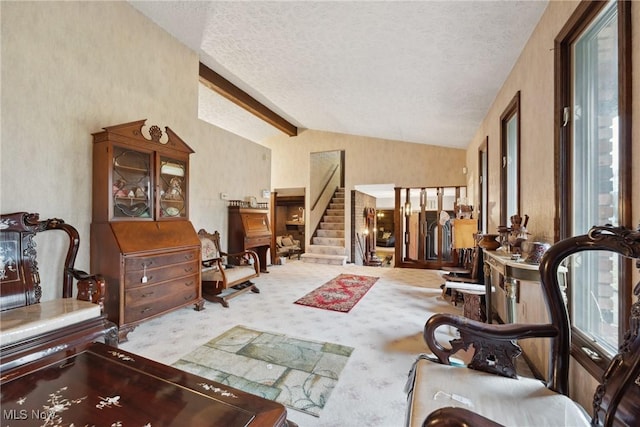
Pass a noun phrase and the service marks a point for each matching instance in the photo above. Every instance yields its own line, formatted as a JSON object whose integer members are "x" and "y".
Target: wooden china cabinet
{"x": 142, "y": 241}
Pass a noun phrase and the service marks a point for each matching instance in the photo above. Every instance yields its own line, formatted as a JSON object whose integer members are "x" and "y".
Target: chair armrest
{"x": 495, "y": 347}
{"x": 211, "y": 262}
{"x": 459, "y": 279}
{"x": 91, "y": 287}
{"x": 457, "y": 417}
{"x": 244, "y": 257}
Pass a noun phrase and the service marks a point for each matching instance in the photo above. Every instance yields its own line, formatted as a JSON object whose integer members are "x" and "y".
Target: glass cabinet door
{"x": 131, "y": 183}
{"x": 172, "y": 188}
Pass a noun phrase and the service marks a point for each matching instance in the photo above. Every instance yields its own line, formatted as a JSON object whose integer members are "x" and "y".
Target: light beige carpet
{"x": 384, "y": 328}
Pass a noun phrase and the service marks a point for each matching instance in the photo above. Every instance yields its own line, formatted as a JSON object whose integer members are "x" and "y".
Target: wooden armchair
{"x": 222, "y": 280}
{"x": 444, "y": 395}
{"x": 31, "y": 330}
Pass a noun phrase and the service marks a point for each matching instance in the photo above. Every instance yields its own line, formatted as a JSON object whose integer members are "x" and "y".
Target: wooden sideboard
{"x": 518, "y": 297}
{"x": 505, "y": 274}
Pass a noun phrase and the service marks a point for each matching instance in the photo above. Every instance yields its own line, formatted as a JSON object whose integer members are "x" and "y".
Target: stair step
{"x": 328, "y": 241}
{"x": 332, "y": 225}
{"x": 333, "y": 218}
{"x": 330, "y": 233}
{"x": 324, "y": 259}
{"x": 328, "y": 244}
{"x": 325, "y": 249}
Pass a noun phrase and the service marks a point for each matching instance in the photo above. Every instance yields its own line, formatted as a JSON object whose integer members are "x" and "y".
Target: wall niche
{"x": 290, "y": 214}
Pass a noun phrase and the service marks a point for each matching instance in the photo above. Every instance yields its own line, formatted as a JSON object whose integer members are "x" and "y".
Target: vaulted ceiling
{"x": 416, "y": 71}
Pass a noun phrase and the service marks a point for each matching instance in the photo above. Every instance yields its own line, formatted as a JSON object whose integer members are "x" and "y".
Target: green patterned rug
{"x": 300, "y": 374}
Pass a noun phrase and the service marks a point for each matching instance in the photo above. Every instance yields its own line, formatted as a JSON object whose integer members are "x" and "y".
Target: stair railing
{"x": 324, "y": 187}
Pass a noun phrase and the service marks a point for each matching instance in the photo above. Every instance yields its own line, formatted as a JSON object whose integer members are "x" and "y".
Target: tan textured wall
{"x": 533, "y": 75}
{"x": 71, "y": 68}
{"x": 367, "y": 161}
{"x": 581, "y": 385}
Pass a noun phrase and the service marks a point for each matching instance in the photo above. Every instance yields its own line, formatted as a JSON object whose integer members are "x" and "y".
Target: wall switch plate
{"x": 224, "y": 196}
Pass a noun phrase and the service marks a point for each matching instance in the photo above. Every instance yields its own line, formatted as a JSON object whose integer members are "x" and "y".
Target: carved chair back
{"x": 617, "y": 398}
{"x": 475, "y": 264}
{"x": 471, "y": 271}
{"x": 210, "y": 247}
{"x": 19, "y": 277}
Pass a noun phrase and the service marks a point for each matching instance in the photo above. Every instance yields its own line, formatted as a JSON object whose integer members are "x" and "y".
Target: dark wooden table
{"x": 294, "y": 252}
{"x": 105, "y": 386}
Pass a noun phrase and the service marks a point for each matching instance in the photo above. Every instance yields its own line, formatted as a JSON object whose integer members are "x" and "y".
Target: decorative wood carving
{"x": 617, "y": 398}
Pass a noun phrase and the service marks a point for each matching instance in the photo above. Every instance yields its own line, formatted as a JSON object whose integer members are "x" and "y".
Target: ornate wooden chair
{"x": 221, "y": 278}
{"x": 436, "y": 388}
{"x": 466, "y": 284}
{"x": 471, "y": 269}
{"x": 30, "y": 329}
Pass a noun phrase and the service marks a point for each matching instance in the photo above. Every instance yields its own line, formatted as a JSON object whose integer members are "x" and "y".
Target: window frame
{"x": 483, "y": 185}
{"x": 582, "y": 17}
{"x": 512, "y": 109}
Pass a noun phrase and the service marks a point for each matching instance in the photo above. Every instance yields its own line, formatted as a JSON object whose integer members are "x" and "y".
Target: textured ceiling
{"x": 417, "y": 71}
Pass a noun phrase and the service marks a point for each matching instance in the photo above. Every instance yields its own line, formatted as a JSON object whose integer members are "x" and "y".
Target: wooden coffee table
{"x": 107, "y": 386}
{"x": 294, "y": 252}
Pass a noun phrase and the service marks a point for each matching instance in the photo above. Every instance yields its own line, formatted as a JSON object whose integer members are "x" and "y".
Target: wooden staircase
{"x": 327, "y": 245}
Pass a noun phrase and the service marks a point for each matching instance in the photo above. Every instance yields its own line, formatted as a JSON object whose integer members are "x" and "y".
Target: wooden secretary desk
{"x": 249, "y": 230}
{"x": 142, "y": 241}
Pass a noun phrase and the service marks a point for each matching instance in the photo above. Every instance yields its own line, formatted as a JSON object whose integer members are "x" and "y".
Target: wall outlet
{"x": 224, "y": 196}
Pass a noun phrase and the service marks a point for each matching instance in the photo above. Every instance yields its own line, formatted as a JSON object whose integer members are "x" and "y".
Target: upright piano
{"x": 249, "y": 229}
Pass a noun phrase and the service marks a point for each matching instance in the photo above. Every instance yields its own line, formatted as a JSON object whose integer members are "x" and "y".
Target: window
{"x": 593, "y": 146}
{"x": 483, "y": 185}
{"x": 510, "y": 172}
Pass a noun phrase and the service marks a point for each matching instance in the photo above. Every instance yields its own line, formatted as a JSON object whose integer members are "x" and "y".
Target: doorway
{"x": 423, "y": 226}
{"x": 288, "y": 217}
{"x": 327, "y": 174}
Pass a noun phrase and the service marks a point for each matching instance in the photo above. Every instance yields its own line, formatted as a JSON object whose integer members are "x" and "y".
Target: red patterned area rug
{"x": 340, "y": 293}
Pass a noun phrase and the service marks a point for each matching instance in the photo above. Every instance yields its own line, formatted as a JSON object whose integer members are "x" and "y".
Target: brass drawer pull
{"x": 148, "y": 294}
{"x": 146, "y": 310}
{"x": 188, "y": 283}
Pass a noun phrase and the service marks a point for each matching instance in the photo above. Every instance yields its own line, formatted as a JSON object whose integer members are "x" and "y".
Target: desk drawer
{"x": 133, "y": 278}
{"x": 154, "y": 261}
{"x": 251, "y": 242}
{"x": 147, "y": 301}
